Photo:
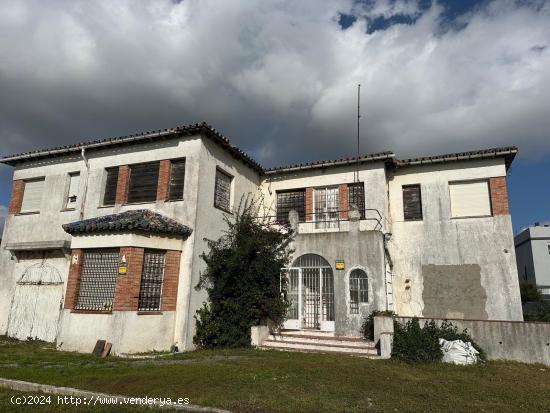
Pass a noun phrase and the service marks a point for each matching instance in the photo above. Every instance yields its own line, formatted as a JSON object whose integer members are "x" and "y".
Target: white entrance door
{"x": 311, "y": 295}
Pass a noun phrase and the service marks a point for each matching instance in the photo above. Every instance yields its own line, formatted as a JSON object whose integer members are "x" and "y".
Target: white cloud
{"x": 278, "y": 77}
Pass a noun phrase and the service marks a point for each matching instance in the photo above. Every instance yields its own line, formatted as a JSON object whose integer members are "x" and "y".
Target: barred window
{"x": 142, "y": 186}
{"x": 177, "y": 179}
{"x": 152, "y": 274}
{"x": 96, "y": 291}
{"x": 358, "y": 290}
{"x": 109, "y": 196}
{"x": 291, "y": 200}
{"x": 356, "y": 196}
{"x": 222, "y": 190}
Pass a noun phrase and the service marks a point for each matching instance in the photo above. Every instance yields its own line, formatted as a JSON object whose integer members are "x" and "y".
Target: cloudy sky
{"x": 280, "y": 78}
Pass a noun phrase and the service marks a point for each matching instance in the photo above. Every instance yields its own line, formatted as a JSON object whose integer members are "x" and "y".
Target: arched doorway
{"x": 310, "y": 289}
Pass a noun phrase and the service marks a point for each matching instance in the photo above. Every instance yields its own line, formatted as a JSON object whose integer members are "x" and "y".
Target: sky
{"x": 279, "y": 78}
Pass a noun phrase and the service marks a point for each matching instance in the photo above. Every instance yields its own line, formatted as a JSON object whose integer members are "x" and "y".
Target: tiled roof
{"x": 193, "y": 129}
{"x": 143, "y": 220}
{"x": 380, "y": 156}
{"x": 508, "y": 153}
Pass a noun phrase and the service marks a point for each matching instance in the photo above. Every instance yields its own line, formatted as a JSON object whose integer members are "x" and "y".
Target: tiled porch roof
{"x": 142, "y": 220}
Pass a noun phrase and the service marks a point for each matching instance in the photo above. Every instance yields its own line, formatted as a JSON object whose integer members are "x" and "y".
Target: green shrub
{"x": 539, "y": 312}
{"x": 415, "y": 344}
{"x": 529, "y": 292}
{"x": 367, "y": 328}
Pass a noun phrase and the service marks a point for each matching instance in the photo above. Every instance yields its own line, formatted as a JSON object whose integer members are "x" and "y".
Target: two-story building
{"x": 103, "y": 239}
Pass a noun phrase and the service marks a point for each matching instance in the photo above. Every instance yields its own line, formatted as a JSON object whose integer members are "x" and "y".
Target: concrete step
{"x": 317, "y": 333}
{"x": 322, "y": 340}
{"x": 306, "y": 350}
{"x": 323, "y": 347}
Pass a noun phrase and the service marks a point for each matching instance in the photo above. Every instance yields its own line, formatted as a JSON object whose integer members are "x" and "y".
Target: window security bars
{"x": 291, "y": 200}
{"x": 358, "y": 290}
{"x": 222, "y": 191}
{"x": 98, "y": 280}
{"x": 177, "y": 179}
{"x": 326, "y": 205}
{"x": 152, "y": 275}
{"x": 356, "y": 197}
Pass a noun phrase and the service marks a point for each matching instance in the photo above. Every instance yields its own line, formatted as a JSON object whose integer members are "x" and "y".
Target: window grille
{"x": 326, "y": 203}
{"x": 412, "y": 203}
{"x": 356, "y": 196}
{"x": 97, "y": 284}
{"x": 152, "y": 274}
{"x": 358, "y": 290}
{"x": 291, "y": 200}
{"x": 142, "y": 186}
{"x": 177, "y": 179}
{"x": 111, "y": 180}
{"x": 32, "y": 195}
{"x": 222, "y": 190}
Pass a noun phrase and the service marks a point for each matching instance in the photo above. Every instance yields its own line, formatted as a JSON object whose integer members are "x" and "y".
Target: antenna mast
{"x": 356, "y": 176}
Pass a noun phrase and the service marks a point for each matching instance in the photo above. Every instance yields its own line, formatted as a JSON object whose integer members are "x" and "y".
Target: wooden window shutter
{"x": 143, "y": 182}
{"x": 177, "y": 179}
{"x": 222, "y": 190}
{"x": 109, "y": 196}
{"x": 32, "y": 195}
{"x": 412, "y": 203}
{"x": 470, "y": 199}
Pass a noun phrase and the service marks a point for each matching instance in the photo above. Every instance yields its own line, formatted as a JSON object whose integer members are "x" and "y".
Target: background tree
{"x": 242, "y": 279}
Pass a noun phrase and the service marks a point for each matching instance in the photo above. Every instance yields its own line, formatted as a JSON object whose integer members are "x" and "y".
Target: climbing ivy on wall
{"x": 242, "y": 279}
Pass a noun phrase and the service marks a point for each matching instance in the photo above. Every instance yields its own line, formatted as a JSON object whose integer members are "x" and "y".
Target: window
{"x": 96, "y": 291}
{"x": 32, "y": 195}
{"x": 412, "y": 203}
{"x": 109, "y": 196}
{"x": 72, "y": 190}
{"x": 358, "y": 290}
{"x": 291, "y": 200}
{"x": 548, "y": 248}
{"x": 326, "y": 202}
{"x": 469, "y": 199}
{"x": 152, "y": 274}
{"x": 222, "y": 190}
{"x": 143, "y": 181}
{"x": 356, "y": 196}
{"x": 177, "y": 179}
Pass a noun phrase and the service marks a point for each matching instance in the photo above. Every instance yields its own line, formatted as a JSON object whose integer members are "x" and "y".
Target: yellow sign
{"x": 122, "y": 270}
{"x": 340, "y": 265}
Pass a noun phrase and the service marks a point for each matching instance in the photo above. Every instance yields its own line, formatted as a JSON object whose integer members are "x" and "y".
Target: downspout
{"x": 83, "y": 202}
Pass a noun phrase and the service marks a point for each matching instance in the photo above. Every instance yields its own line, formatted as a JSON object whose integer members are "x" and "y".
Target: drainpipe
{"x": 83, "y": 202}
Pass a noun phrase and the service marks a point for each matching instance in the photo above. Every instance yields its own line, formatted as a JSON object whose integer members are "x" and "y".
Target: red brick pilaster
{"x": 499, "y": 195}
{"x": 122, "y": 184}
{"x": 17, "y": 190}
{"x": 127, "y": 286}
{"x": 309, "y": 204}
{"x": 73, "y": 279}
{"x": 170, "y": 282}
{"x": 164, "y": 177}
{"x": 343, "y": 205}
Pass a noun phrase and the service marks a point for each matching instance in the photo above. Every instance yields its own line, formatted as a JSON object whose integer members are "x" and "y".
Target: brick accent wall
{"x": 499, "y": 195}
{"x": 309, "y": 204}
{"x": 127, "y": 286}
{"x": 122, "y": 184}
{"x": 164, "y": 177}
{"x": 17, "y": 190}
{"x": 170, "y": 282}
{"x": 343, "y": 205}
{"x": 73, "y": 280}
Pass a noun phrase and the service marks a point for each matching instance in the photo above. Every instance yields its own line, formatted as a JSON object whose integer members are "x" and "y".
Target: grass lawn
{"x": 252, "y": 380}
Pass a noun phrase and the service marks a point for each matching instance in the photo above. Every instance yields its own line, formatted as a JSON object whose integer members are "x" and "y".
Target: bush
{"x": 415, "y": 344}
{"x": 367, "y": 328}
{"x": 529, "y": 292}
{"x": 537, "y": 312}
{"x": 242, "y": 279}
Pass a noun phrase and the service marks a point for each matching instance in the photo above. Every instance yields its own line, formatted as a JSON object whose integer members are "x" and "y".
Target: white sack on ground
{"x": 458, "y": 352}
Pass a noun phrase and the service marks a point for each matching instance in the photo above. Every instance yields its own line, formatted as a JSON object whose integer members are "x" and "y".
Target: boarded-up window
{"x": 222, "y": 190}
{"x": 291, "y": 200}
{"x": 72, "y": 190}
{"x": 150, "y": 291}
{"x": 142, "y": 186}
{"x": 111, "y": 179}
{"x": 356, "y": 197}
{"x": 470, "y": 199}
{"x": 96, "y": 291}
{"x": 412, "y": 203}
{"x": 32, "y": 195}
{"x": 177, "y": 179}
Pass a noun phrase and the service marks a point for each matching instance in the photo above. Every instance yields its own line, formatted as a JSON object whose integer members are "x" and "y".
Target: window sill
{"x": 140, "y": 203}
{"x": 76, "y": 311}
{"x": 28, "y": 213}
{"x": 106, "y": 206}
{"x": 223, "y": 210}
{"x": 474, "y": 216}
{"x": 414, "y": 220}
{"x": 68, "y": 210}
{"x": 152, "y": 312}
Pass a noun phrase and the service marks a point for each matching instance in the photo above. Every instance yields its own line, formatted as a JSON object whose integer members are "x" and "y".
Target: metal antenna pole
{"x": 356, "y": 178}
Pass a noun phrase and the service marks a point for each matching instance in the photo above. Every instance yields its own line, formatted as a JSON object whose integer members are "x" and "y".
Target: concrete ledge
{"x": 27, "y": 386}
{"x": 258, "y": 334}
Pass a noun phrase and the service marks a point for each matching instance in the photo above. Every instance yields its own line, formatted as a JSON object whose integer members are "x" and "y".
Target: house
{"x": 103, "y": 239}
{"x": 533, "y": 256}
